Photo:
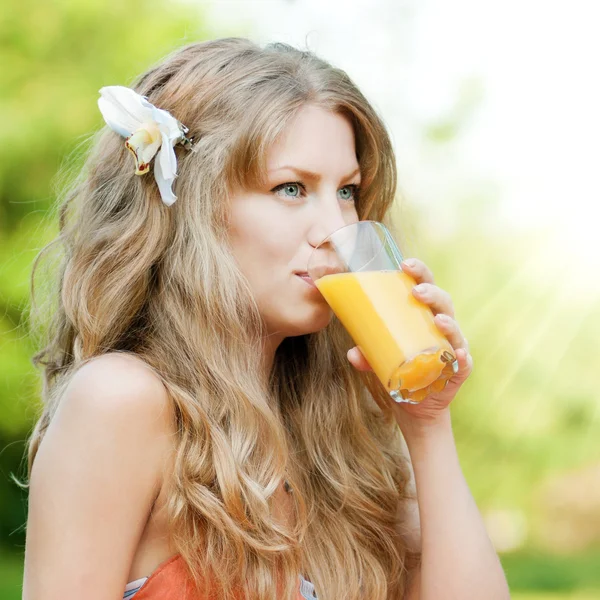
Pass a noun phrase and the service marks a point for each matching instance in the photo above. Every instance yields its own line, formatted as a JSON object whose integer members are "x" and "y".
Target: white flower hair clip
{"x": 147, "y": 131}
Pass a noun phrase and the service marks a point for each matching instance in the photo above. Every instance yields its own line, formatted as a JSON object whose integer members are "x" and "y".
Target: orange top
{"x": 171, "y": 580}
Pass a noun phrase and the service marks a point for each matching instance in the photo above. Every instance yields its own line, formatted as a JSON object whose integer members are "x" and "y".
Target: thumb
{"x": 357, "y": 359}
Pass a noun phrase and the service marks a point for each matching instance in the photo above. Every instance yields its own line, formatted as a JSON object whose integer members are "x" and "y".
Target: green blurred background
{"x": 527, "y": 420}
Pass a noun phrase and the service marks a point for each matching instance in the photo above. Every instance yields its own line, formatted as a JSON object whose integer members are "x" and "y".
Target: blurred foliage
{"x": 534, "y": 571}
{"x": 55, "y": 57}
{"x": 524, "y": 422}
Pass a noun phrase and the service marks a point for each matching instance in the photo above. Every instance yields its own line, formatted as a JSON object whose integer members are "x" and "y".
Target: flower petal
{"x": 148, "y": 152}
{"x": 169, "y": 123}
{"x": 165, "y": 171}
{"x": 167, "y": 158}
{"x": 122, "y": 124}
{"x": 144, "y": 144}
{"x": 123, "y": 109}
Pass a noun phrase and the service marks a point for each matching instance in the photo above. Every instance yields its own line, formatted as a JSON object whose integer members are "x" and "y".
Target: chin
{"x": 310, "y": 321}
{"x": 318, "y": 325}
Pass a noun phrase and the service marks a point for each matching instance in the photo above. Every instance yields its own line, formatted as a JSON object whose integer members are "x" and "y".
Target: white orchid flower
{"x": 147, "y": 131}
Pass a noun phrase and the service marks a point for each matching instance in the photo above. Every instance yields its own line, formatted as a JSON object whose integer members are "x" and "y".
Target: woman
{"x": 206, "y": 432}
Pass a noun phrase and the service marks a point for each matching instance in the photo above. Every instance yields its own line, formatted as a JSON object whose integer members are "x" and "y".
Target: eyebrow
{"x": 310, "y": 175}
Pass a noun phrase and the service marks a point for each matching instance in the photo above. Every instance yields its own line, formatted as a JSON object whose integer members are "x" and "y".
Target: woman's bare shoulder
{"x": 121, "y": 370}
{"x": 95, "y": 478}
{"x": 125, "y": 392}
{"x": 123, "y": 386}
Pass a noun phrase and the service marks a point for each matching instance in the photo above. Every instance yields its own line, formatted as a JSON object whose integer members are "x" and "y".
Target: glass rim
{"x": 355, "y": 224}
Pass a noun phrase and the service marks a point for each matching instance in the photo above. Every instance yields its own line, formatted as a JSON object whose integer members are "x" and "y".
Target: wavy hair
{"x": 161, "y": 283}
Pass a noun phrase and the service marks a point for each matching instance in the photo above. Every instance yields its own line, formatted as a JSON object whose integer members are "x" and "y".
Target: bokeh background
{"x": 493, "y": 110}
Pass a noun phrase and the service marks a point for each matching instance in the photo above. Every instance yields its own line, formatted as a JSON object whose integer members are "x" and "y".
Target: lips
{"x": 305, "y": 277}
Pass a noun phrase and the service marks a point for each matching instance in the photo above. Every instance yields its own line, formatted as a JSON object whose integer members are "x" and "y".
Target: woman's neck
{"x": 270, "y": 344}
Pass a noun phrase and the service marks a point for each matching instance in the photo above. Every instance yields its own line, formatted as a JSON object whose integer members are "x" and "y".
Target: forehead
{"x": 316, "y": 141}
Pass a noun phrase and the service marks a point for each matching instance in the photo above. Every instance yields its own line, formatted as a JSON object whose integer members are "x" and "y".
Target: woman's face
{"x": 273, "y": 230}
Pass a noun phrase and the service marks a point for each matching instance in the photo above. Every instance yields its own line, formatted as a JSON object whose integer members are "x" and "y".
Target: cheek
{"x": 273, "y": 248}
{"x": 264, "y": 238}
{"x": 264, "y": 258}
{"x": 248, "y": 240}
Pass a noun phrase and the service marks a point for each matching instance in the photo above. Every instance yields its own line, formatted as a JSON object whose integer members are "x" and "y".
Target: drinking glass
{"x": 357, "y": 270}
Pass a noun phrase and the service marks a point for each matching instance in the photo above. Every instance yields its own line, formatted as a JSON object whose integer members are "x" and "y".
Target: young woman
{"x": 207, "y": 433}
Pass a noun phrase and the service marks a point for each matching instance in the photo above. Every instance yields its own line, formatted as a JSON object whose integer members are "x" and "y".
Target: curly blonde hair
{"x": 161, "y": 283}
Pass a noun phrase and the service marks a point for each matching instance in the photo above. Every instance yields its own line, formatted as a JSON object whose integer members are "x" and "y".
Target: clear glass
{"x": 357, "y": 270}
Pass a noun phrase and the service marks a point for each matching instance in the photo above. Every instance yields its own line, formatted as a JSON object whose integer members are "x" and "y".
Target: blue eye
{"x": 289, "y": 185}
{"x": 296, "y": 184}
{"x": 355, "y": 196}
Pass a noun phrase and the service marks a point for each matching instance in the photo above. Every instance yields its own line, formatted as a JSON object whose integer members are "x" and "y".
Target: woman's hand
{"x": 433, "y": 407}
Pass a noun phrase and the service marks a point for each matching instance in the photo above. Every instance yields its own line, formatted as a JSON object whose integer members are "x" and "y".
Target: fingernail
{"x": 409, "y": 262}
{"x": 421, "y": 288}
{"x": 444, "y": 318}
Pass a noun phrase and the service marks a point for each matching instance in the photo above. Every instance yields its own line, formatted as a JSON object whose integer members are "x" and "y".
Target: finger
{"x": 357, "y": 359}
{"x": 449, "y": 327}
{"x": 465, "y": 366}
{"x": 435, "y": 297}
{"x": 418, "y": 270}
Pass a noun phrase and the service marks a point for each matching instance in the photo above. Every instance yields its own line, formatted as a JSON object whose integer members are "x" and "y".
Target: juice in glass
{"x": 395, "y": 332}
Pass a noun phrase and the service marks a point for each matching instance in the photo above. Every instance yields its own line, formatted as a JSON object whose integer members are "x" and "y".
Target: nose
{"x": 327, "y": 220}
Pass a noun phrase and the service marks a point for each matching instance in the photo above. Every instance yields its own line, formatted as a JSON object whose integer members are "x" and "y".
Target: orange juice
{"x": 395, "y": 332}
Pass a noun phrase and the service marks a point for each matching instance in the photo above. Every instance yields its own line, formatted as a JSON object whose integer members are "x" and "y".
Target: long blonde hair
{"x": 160, "y": 283}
